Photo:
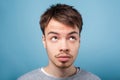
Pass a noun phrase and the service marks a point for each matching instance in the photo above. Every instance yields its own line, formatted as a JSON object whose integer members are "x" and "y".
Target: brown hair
{"x": 63, "y": 13}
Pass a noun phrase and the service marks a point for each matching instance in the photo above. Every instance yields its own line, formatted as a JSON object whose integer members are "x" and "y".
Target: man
{"x": 61, "y": 26}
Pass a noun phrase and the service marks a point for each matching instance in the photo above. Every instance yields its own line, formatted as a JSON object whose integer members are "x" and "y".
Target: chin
{"x": 63, "y": 66}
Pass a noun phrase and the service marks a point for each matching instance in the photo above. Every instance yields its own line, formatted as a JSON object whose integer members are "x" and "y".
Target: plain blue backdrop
{"x": 21, "y": 48}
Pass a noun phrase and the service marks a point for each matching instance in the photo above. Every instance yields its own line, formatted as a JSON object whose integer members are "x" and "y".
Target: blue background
{"x": 21, "y": 48}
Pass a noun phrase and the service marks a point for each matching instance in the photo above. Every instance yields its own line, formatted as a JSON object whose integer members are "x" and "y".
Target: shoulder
{"x": 31, "y": 75}
{"x": 87, "y": 75}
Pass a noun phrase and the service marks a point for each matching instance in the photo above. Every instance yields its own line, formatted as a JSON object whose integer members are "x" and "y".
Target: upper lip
{"x": 63, "y": 57}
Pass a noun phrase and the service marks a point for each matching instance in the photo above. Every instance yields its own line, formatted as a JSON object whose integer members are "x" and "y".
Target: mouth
{"x": 63, "y": 58}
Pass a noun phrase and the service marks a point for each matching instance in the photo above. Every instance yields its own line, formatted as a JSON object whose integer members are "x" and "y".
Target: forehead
{"x": 55, "y": 26}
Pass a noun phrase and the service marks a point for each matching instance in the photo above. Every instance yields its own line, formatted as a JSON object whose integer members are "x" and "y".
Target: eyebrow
{"x": 73, "y": 32}
{"x": 52, "y": 33}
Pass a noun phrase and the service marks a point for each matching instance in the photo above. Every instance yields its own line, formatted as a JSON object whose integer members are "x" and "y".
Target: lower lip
{"x": 63, "y": 59}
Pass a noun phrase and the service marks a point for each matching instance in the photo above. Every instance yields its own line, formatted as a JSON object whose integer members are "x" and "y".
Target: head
{"x": 61, "y": 26}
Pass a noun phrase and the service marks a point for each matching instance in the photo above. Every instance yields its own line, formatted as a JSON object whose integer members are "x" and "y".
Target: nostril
{"x": 67, "y": 50}
{"x": 64, "y": 50}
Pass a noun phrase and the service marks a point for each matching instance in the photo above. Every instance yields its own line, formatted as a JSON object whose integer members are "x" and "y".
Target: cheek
{"x": 52, "y": 45}
{"x": 75, "y": 49}
{"x": 51, "y": 49}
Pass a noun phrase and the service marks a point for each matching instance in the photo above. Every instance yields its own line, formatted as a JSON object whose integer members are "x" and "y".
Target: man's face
{"x": 62, "y": 43}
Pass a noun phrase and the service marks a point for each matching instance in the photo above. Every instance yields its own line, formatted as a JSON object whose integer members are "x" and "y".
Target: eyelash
{"x": 54, "y": 38}
{"x": 73, "y": 38}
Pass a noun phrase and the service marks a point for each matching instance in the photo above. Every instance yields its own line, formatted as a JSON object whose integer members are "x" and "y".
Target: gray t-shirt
{"x": 40, "y": 74}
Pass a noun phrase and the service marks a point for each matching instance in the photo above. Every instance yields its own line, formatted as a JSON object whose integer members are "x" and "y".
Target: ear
{"x": 44, "y": 40}
{"x": 79, "y": 40}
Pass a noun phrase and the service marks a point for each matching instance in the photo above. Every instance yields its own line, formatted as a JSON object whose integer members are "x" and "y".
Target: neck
{"x": 60, "y": 72}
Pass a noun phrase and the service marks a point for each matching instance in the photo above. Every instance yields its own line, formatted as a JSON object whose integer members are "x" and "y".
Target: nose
{"x": 64, "y": 46}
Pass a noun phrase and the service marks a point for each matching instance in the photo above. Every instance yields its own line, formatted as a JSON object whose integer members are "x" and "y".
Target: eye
{"x": 54, "y": 38}
{"x": 72, "y": 38}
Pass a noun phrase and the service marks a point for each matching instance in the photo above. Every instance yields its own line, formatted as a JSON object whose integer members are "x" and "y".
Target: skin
{"x": 62, "y": 44}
